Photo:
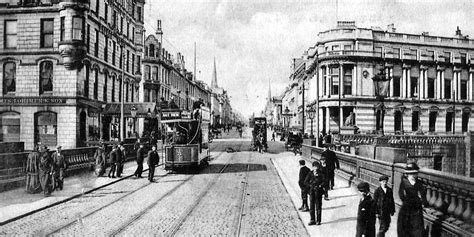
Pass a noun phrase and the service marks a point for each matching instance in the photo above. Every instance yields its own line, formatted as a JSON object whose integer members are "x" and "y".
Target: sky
{"x": 254, "y": 41}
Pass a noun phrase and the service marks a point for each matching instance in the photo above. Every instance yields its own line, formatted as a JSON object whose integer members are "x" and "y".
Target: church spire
{"x": 214, "y": 76}
{"x": 269, "y": 91}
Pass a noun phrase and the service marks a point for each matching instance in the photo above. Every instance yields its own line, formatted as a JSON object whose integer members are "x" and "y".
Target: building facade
{"x": 62, "y": 62}
{"x": 166, "y": 79}
{"x": 221, "y": 110}
{"x": 390, "y": 82}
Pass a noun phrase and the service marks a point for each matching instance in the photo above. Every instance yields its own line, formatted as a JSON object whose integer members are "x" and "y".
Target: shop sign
{"x": 168, "y": 115}
{"x": 31, "y": 100}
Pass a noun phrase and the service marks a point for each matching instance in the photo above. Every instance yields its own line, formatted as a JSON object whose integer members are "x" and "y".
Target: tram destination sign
{"x": 31, "y": 100}
{"x": 169, "y": 115}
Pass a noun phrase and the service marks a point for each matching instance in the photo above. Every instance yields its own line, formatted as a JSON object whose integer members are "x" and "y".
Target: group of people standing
{"x": 45, "y": 171}
{"x": 316, "y": 182}
{"x": 117, "y": 156}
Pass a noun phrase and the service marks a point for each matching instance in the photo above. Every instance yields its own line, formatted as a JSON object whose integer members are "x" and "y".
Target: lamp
{"x": 311, "y": 113}
{"x": 133, "y": 112}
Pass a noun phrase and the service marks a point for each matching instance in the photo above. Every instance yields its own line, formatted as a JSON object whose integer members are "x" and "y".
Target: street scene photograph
{"x": 237, "y": 118}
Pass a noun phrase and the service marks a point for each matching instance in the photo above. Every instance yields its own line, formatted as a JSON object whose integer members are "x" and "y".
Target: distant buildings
{"x": 384, "y": 81}
{"x": 221, "y": 110}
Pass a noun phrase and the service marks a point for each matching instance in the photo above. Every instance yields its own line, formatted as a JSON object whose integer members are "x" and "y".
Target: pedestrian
{"x": 113, "y": 161}
{"x": 332, "y": 163}
{"x": 413, "y": 196}
{"x": 385, "y": 205}
{"x": 33, "y": 184}
{"x": 304, "y": 170}
{"x": 153, "y": 160}
{"x": 325, "y": 171}
{"x": 140, "y": 157}
{"x": 121, "y": 155}
{"x": 315, "y": 181}
{"x": 100, "y": 157}
{"x": 366, "y": 213}
{"x": 273, "y": 136}
{"x": 59, "y": 166}
{"x": 45, "y": 171}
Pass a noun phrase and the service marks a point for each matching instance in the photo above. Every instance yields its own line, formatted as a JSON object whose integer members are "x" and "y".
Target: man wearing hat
{"x": 366, "y": 213}
{"x": 315, "y": 180}
{"x": 413, "y": 195}
{"x": 304, "y": 189}
{"x": 332, "y": 163}
{"x": 113, "y": 160}
{"x": 100, "y": 157}
{"x": 385, "y": 205}
{"x": 59, "y": 166}
{"x": 140, "y": 158}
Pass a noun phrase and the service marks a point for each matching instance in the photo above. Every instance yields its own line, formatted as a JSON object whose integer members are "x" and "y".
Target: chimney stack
{"x": 391, "y": 28}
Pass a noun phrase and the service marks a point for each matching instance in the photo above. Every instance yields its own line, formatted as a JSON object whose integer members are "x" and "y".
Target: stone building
{"x": 383, "y": 81}
{"x": 221, "y": 111}
{"x": 62, "y": 62}
{"x": 165, "y": 78}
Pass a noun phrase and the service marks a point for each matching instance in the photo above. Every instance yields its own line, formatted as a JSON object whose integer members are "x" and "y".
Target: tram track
{"x": 175, "y": 227}
{"x": 242, "y": 199}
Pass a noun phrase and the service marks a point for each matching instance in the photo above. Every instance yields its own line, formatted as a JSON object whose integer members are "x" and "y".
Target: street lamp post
{"x": 179, "y": 99}
{"x": 133, "y": 111}
{"x": 286, "y": 117}
{"x": 311, "y": 113}
{"x": 381, "y": 84}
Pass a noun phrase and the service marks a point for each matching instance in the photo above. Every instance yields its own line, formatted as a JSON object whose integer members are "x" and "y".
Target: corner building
{"x": 430, "y": 87}
{"x": 61, "y": 63}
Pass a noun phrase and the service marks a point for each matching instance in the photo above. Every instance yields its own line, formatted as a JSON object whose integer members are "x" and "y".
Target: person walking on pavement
{"x": 45, "y": 171}
{"x": 60, "y": 166}
{"x": 113, "y": 161}
{"x": 100, "y": 157}
{"x": 121, "y": 155}
{"x": 413, "y": 196}
{"x": 332, "y": 163}
{"x": 140, "y": 158}
{"x": 325, "y": 171}
{"x": 304, "y": 189}
{"x": 273, "y": 136}
{"x": 33, "y": 184}
{"x": 385, "y": 205}
{"x": 366, "y": 212}
{"x": 315, "y": 181}
{"x": 153, "y": 160}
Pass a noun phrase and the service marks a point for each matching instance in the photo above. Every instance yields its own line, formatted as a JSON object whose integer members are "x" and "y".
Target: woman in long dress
{"x": 413, "y": 195}
{"x": 33, "y": 184}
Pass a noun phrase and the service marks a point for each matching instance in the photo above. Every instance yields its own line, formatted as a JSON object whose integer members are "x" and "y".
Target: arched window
{"x": 9, "y": 77}
{"x": 46, "y": 128}
{"x": 146, "y": 51}
{"x": 9, "y": 127}
{"x": 105, "y": 87}
{"x": 46, "y": 77}
{"x": 152, "y": 50}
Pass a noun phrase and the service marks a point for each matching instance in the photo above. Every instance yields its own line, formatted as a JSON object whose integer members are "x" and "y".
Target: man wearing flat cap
{"x": 366, "y": 213}
{"x": 385, "y": 205}
{"x": 59, "y": 166}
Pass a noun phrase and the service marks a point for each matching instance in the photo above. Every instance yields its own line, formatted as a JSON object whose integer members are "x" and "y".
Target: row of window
{"x": 45, "y": 82}
{"x": 433, "y": 115}
{"x": 45, "y": 127}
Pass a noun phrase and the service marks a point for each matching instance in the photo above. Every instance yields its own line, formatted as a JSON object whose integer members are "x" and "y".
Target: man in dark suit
{"x": 304, "y": 189}
{"x": 153, "y": 160}
{"x": 121, "y": 155}
{"x": 366, "y": 213}
{"x": 113, "y": 161}
{"x": 140, "y": 158}
{"x": 385, "y": 205}
{"x": 332, "y": 163}
{"x": 315, "y": 181}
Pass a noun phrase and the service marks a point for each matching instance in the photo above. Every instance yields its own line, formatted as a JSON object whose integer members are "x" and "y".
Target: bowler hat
{"x": 316, "y": 163}
{"x": 412, "y": 168}
{"x": 363, "y": 187}
{"x": 58, "y": 146}
{"x": 384, "y": 177}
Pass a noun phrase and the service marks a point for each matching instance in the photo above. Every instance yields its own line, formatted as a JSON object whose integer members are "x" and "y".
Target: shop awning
{"x": 144, "y": 109}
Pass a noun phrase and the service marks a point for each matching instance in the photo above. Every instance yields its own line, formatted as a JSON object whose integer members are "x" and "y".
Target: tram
{"x": 259, "y": 133}
{"x": 187, "y": 139}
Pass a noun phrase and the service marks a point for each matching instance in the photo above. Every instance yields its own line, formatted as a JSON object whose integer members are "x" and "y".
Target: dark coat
{"x": 384, "y": 202}
{"x": 113, "y": 156}
{"x": 140, "y": 155}
{"x": 331, "y": 159}
{"x": 410, "y": 216}
{"x": 303, "y": 173}
{"x": 366, "y": 217}
{"x": 153, "y": 158}
{"x": 316, "y": 182}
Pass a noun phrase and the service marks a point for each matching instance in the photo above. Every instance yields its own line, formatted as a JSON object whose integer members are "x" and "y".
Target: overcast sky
{"x": 254, "y": 41}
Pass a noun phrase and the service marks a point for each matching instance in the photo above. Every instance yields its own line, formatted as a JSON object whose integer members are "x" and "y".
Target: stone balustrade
{"x": 450, "y": 197}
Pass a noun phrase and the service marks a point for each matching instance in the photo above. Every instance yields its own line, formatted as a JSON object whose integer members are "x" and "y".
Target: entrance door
{"x": 82, "y": 129}
{"x": 106, "y": 120}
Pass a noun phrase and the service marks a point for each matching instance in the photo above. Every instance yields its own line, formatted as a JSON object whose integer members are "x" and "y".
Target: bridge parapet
{"x": 450, "y": 196}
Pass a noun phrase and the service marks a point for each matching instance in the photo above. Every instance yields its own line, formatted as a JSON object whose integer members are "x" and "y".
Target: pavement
{"x": 339, "y": 215}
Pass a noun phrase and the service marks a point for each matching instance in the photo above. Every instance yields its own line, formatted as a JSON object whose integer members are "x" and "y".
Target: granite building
{"x": 61, "y": 63}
